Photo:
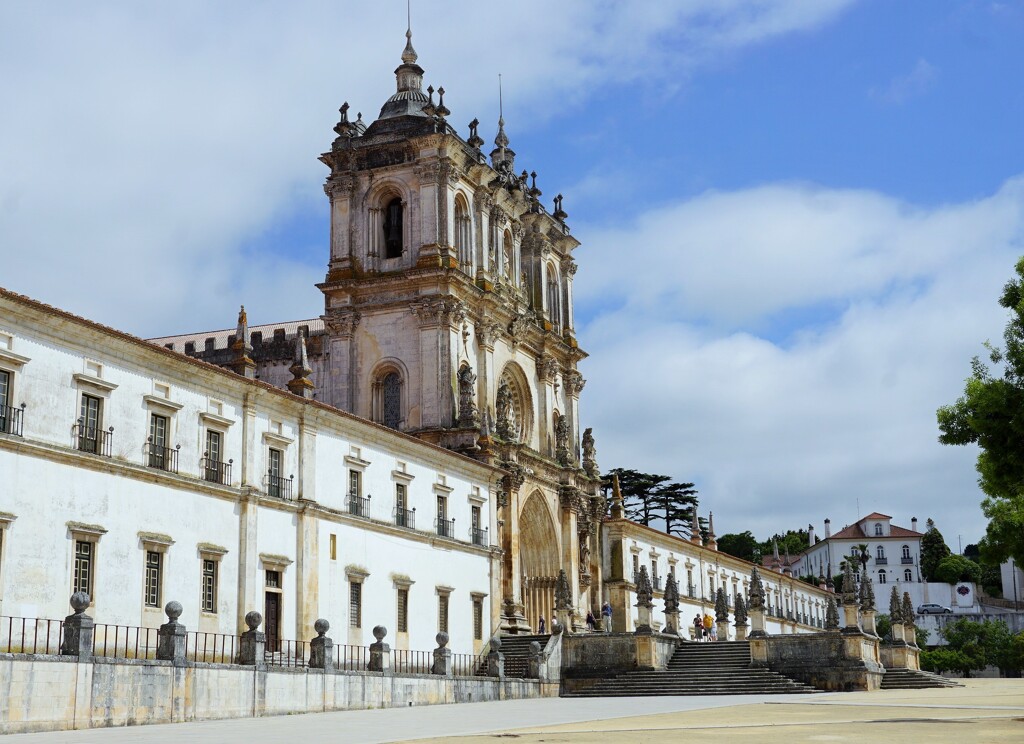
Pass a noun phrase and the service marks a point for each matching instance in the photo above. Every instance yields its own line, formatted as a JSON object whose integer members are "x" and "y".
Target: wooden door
{"x": 272, "y": 621}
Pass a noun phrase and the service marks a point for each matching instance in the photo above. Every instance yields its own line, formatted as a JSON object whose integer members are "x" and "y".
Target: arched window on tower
{"x": 508, "y": 264}
{"x": 393, "y": 226}
{"x": 554, "y": 299}
{"x": 388, "y": 403}
{"x": 463, "y": 236}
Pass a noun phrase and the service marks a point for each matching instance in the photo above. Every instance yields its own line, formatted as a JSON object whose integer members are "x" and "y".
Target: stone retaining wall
{"x": 48, "y": 693}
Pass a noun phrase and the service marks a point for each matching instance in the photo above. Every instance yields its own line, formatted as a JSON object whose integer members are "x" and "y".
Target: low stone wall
{"x": 834, "y": 661}
{"x": 48, "y": 693}
{"x": 589, "y": 658}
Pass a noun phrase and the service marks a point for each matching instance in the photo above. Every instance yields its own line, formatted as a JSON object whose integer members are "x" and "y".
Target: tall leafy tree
{"x": 676, "y": 502}
{"x": 933, "y": 550}
{"x": 991, "y": 414}
{"x": 796, "y": 541}
{"x": 742, "y": 545}
{"x": 649, "y": 498}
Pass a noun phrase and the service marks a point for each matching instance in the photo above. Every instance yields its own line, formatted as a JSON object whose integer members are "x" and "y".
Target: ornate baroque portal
{"x": 539, "y": 550}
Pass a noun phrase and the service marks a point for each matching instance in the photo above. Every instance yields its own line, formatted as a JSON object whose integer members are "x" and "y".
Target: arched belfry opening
{"x": 539, "y": 564}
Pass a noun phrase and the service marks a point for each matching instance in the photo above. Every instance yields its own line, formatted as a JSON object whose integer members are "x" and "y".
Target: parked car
{"x": 933, "y": 609}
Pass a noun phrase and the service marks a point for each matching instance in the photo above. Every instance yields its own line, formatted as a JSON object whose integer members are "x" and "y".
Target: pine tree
{"x": 933, "y": 550}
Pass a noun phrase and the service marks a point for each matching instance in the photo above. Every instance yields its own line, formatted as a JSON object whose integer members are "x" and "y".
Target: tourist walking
{"x": 591, "y": 622}
{"x": 606, "y": 615}
{"x": 540, "y": 626}
{"x": 709, "y": 623}
{"x": 698, "y": 628}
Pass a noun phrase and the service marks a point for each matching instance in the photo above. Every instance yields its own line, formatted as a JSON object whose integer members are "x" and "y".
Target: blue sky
{"x": 796, "y": 215}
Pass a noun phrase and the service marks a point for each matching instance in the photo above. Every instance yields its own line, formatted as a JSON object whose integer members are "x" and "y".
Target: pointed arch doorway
{"x": 539, "y": 563}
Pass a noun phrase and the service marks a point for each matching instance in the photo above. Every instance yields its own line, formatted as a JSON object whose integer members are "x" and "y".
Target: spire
{"x": 409, "y": 98}
{"x": 501, "y": 153}
{"x": 409, "y": 55}
{"x": 694, "y": 527}
{"x": 300, "y": 384}
{"x": 241, "y": 361}
{"x": 616, "y": 512}
{"x": 712, "y": 542}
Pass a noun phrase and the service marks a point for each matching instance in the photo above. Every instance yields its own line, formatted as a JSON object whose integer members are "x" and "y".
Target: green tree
{"x": 980, "y": 643}
{"x": 944, "y": 659}
{"x": 742, "y": 545}
{"x": 796, "y": 541}
{"x": 933, "y": 550}
{"x": 648, "y": 497}
{"x": 990, "y": 414}
{"x": 954, "y": 568}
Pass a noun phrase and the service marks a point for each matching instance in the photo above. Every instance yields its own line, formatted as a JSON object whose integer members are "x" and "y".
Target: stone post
{"x": 380, "y": 652}
{"x": 644, "y": 603}
{"x": 671, "y": 606}
{"x": 721, "y": 615}
{"x": 563, "y": 600}
{"x": 170, "y": 644}
{"x": 442, "y": 656}
{"x": 496, "y": 659}
{"x": 740, "y": 616}
{"x": 78, "y": 629}
{"x": 321, "y": 648}
{"x": 538, "y": 665}
{"x": 867, "y": 606}
{"x": 756, "y": 606}
{"x": 252, "y": 644}
{"x": 851, "y": 607}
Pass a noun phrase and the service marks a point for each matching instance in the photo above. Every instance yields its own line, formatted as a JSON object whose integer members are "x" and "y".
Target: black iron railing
{"x": 11, "y": 420}
{"x": 358, "y": 506}
{"x": 881, "y": 561}
{"x": 124, "y": 641}
{"x": 211, "y": 648}
{"x": 656, "y": 583}
{"x": 405, "y": 518}
{"x": 691, "y": 591}
{"x": 281, "y": 653}
{"x": 30, "y": 635}
{"x": 279, "y": 487}
{"x": 478, "y": 536}
{"x": 411, "y": 662}
{"x": 351, "y": 658}
{"x": 907, "y": 561}
{"x": 446, "y": 528}
{"x": 92, "y": 439}
{"x": 216, "y": 471}
{"x": 162, "y": 458}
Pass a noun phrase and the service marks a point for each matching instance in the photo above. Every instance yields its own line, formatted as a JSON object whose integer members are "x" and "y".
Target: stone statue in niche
{"x": 468, "y": 414}
{"x": 562, "y": 440}
{"x": 505, "y": 409}
{"x": 585, "y": 558}
{"x": 589, "y": 454}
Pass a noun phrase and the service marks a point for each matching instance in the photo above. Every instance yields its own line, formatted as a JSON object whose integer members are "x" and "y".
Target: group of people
{"x": 606, "y": 614}
{"x": 704, "y": 628}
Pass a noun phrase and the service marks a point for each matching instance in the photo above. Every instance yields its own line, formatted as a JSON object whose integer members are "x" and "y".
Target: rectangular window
{"x": 209, "y": 585}
{"x": 442, "y": 508}
{"x": 475, "y": 517}
{"x": 274, "y": 460}
{"x": 355, "y": 604}
{"x": 89, "y": 424}
{"x": 403, "y": 611}
{"x": 213, "y": 445}
{"x": 154, "y": 560}
{"x": 273, "y": 579}
{"x": 636, "y": 567}
{"x": 334, "y": 547}
{"x": 654, "y": 569}
{"x": 478, "y": 619}
{"x": 355, "y": 483}
{"x": 442, "y": 613}
{"x": 83, "y": 567}
{"x": 6, "y": 423}
{"x": 400, "y": 498}
{"x": 275, "y": 486}
{"x": 158, "y": 454}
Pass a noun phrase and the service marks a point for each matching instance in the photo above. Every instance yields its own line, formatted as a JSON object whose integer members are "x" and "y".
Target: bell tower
{"x": 448, "y": 315}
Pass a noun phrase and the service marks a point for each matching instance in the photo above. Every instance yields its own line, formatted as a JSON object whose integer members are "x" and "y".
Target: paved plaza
{"x": 988, "y": 710}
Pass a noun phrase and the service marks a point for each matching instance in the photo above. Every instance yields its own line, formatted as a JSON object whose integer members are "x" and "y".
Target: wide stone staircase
{"x": 516, "y": 649}
{"x": 698, "y": 669}
{"x": 911, "y": 679}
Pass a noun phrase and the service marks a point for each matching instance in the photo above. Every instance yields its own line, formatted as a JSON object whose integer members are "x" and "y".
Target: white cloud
{"x": 144, "y": 148}
{"x": 777, "y": 434}
{"x": 903, "y": 87}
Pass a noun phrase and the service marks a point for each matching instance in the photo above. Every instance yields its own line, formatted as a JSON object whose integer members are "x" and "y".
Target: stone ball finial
{"x": 321, "y": 627}
{"x": 253, "y": 619}
{"x": 80, "y": 602}
{"x": 496, "y": 643}
{"x": 379, "y": 631}
{"x": 442, "y": 639}
{"x": 534, "y": 647}
{"x": 173, "y": 610}
{"x": 557, "y": 627}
